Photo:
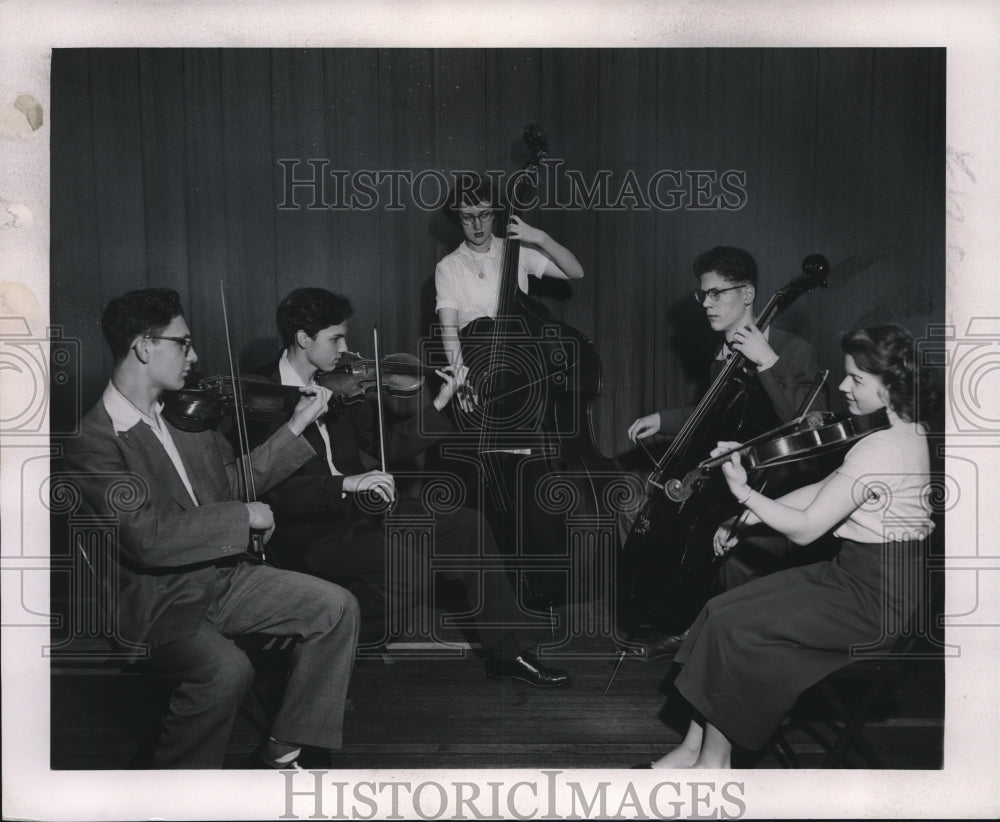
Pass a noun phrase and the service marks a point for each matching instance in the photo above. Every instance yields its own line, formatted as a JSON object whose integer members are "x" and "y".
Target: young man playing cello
{"x": 329, "y": 530}
{"x": 784, "y": 369}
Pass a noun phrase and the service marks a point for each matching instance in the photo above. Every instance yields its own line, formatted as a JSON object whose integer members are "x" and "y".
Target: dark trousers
{"x": 462, "y": 551}
{"x": 213, "y": 674}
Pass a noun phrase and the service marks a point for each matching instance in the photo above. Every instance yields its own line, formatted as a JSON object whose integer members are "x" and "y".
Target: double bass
{"x": 528, "y": 435}
{"x": 667, "y": 562}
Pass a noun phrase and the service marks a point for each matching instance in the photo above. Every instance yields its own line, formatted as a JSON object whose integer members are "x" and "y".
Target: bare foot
{"x": 679, "y": 757}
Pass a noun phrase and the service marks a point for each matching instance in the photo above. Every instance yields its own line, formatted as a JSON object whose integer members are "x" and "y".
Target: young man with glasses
{"x": 188, "y": 590}
{"x": 786, "y": 373}
{"x": 784, "y": 364}
{"x": 467, "y": 280}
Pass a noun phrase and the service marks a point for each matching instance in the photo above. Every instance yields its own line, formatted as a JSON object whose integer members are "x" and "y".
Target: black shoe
{"x": 664, "y": 646}
{"x": 259, "y": 760}
{"x": 527, "y": 668}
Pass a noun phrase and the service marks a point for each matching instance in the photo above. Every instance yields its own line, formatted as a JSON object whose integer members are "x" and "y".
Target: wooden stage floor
{"x": 435, "y": 708}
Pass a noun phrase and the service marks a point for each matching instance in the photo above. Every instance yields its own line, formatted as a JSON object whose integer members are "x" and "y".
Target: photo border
{"x": 967, "y": 786}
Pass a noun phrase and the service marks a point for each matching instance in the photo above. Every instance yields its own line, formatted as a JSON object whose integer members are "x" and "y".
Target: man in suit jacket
{"x": 328, "y": 528}
{"x": 784, "y": 364}
{"x": 187, "y": 586}
{"x": 785, "y": 372}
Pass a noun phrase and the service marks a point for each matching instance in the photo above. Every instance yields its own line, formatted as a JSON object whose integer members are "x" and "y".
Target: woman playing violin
{"x": 467, "y": 280}
{"x": 752, "y": 650}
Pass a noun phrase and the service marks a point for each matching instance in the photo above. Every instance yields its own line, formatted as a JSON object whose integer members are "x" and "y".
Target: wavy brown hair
{"x": 888, "y": 352}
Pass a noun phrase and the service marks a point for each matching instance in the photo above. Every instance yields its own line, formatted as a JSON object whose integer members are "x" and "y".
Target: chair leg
{"x": 843, "y": 728}
{"x": 850, "y": 733}
{"x": 783, "y": 751}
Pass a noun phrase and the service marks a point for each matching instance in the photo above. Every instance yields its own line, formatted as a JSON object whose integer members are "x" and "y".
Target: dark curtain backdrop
{"x": 165, "y": 171}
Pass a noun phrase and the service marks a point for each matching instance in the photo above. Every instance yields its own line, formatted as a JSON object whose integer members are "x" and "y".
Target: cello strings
{"x": 736, "y": 360}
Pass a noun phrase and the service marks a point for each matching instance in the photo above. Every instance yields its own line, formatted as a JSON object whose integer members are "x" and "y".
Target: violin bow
{"x": 774, "y": 432}
{"x": 256, "y": 547}
{"x": 378, "y": 397}
{"x": 808, "y": 404}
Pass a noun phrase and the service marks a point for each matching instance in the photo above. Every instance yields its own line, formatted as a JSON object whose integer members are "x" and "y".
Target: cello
{"x": 667, "y": 563}
{"x": 528, "y": 434}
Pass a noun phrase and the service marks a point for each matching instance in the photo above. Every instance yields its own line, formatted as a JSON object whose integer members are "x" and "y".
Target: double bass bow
{"x": 667, "y": 560}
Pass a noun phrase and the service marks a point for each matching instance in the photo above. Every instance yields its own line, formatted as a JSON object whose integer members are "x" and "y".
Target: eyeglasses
{"x": 713, "y": 293}
{"x": 183, "y": 342}
{"x": 482, "y": 216}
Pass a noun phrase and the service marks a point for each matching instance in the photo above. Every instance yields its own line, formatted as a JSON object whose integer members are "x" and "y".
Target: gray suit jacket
{"x": 169, "y": 549}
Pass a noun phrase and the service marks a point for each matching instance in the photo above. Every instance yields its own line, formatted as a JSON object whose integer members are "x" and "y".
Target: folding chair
{"x": 842, "y": 702}
{"x": 839, "y": 730}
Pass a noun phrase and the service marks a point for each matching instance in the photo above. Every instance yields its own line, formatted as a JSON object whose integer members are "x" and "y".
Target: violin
{"x": 817, "y": 433}
{"x": 355, "y": 378}
{"x": 205, "y": 405}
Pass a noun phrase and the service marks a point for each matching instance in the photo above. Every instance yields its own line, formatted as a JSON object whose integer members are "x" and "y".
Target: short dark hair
{"x": 310, "y": 310}
{"x": 734, "y": 265}
{"x": 888, "y": 352}
{"x": 470, "y": 189}
{"x": 146, "y": 311}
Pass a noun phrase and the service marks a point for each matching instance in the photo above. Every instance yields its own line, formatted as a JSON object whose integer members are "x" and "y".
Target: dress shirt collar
{"x": 287, "y": 373}
{"x": 124, "y": 415}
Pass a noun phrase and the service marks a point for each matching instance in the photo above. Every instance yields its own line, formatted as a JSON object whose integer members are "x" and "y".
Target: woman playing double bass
{"x": 467, "y": 280}
{"x": 752, "y": 650}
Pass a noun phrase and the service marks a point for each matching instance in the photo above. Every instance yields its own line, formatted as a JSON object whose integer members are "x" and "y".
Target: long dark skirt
{"x": 752, "y": 651}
